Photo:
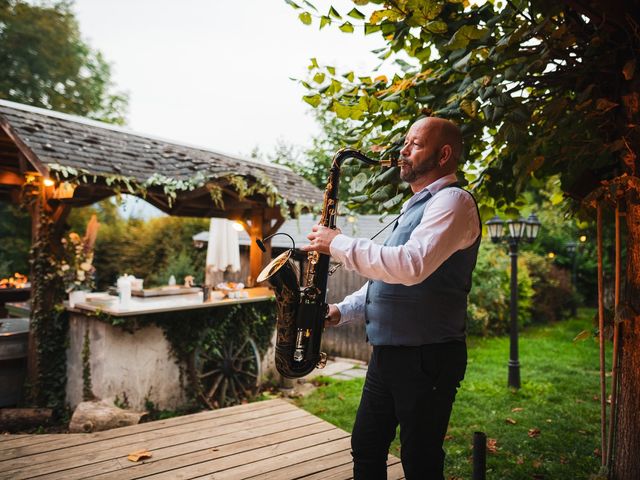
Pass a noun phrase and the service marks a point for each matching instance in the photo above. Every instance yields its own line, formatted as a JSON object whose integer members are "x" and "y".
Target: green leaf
{"x": 293, "y": 4}
{"x": 436, "y": 26}
{"x": 358, "y": 182}
{"x": 355, "y": 13}
{"x": 319, "y": 77}
{"x": 334, "y": 13}
{"x": 370, "y": 28}
{"x": 486, "y": 212}
{"x": 556, "y": 198}
{"x": 346, "y": 27}
{"x": 313, "y": 100}
{"x": 310, "y": 5}
{"x": 392, "y": 202}
{"x": 305, "y": 17}
{"x": 464, "y": 35}
{"x": 324, "y": 21}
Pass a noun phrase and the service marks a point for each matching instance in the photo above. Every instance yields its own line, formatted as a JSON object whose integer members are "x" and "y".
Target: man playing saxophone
{"x": 414, "y": 307}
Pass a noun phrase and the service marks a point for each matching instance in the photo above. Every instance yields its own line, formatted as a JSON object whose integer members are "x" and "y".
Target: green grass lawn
{"x": 558, "y": 399}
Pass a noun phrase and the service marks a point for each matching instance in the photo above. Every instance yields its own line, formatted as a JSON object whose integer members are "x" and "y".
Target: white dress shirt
{"x": 449, "y": 223}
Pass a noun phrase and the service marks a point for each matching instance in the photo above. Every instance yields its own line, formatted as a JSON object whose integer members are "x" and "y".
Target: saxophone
{"x": 302, "y": 308}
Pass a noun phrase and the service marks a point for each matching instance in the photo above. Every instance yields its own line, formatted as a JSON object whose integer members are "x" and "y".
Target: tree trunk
{"x": 626, "y": 460}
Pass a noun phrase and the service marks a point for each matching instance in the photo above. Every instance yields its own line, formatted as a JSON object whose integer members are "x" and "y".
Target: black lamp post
{"x": 520, "y": 229}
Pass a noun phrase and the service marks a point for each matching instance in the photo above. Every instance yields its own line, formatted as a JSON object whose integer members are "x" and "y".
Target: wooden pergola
{"x": 59, "y": 161}
{"x": 103, "y": 160}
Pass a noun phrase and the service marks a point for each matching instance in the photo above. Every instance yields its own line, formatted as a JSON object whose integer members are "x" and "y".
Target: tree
{"x": 539, "y": 88}
{"x": 314, "y": 163}
{"x": 45, "y": 63}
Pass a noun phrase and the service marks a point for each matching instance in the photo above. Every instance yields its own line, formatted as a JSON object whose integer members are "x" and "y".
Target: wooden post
{"x": 255, "y": 254}
{"x": 603, "y": 385}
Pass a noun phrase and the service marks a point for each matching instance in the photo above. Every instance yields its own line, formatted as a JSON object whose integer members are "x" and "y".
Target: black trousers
{"x": 414, "y": 387}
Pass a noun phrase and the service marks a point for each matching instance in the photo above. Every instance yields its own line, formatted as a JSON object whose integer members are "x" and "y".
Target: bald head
{"x": 440, "y": 133}
{"x": 432, "y": 149}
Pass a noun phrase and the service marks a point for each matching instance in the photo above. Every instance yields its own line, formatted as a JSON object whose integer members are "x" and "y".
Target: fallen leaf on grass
{"x": 563, "y": 460}
{"x": 534, "y": 432}
{"x": 517, "y": 409}
{"x": 492, "y": 445}
{"x": 520, "y": 460}
{"x": 139, "y": 455}
{"x": 448, "y": 437}
{"x": 510, "y": 421}
{"x": 537, "y": 463}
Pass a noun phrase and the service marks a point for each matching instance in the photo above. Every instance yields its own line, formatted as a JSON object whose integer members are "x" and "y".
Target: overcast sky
{"x": 216, "y": 73}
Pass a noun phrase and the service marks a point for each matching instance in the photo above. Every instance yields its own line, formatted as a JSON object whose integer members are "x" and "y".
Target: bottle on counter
{"x": 124, "y": 291}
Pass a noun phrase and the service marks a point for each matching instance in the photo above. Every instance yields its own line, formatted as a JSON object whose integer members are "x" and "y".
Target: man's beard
{"x": 413, "y": 173}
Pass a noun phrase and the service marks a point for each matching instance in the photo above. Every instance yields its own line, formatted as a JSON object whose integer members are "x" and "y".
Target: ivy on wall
{"x": 208, "y": 329}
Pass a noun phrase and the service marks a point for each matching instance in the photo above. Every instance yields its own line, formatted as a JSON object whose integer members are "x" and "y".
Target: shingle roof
{"x": 361, "y": 226}
{"x": 103, "y": 149}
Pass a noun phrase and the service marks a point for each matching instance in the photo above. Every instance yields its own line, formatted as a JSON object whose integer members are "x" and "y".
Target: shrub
{"x": 488, "y": 310}
{"x": 553, "y": 294}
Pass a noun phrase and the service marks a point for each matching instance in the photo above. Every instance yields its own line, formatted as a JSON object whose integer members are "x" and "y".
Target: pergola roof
{"x": 49, "y": 140}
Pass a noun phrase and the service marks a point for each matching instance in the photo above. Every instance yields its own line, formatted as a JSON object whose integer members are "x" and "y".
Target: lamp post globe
{"x": 495, "y": 228}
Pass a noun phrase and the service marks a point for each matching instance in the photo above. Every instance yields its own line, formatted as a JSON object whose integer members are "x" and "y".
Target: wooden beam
{"x": 11, "y": 179}
{"x": 255, "y": 254}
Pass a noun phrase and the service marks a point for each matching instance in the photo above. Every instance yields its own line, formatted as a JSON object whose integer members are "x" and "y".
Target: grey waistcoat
{"x": 433, "y": 311}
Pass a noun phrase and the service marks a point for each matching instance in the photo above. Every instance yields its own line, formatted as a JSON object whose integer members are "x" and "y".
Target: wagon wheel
{"x": 227, "y": 375}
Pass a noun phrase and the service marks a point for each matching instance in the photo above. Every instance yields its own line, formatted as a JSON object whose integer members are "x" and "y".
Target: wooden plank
{"x": 261, "y": 459}
{"x": 69, "y": 440}
{"x": 164, "y": 447}
{"x": 345, "y": 470}
{"x": 302, "y": 469}
{"x": 25, "y": 440}
{"x": 395, "y": 472}
{"x": 279, "y": 457}
{"x": 341, "y": 472}
{"x": 175, "y": 459}
{"x": 271, "y": 440}
{"x": 96, "y": 451}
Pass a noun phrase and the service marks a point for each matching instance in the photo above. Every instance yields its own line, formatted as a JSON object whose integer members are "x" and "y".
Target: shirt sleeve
{"x": 449, "y": 223}
{"x": 352, "y": 307}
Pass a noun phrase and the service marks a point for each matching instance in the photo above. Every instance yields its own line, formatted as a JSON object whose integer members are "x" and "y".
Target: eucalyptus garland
{"x": 170, "y": 186}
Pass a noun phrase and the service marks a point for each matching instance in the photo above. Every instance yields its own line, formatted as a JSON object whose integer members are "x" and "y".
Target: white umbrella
{"x": 223, "y": 250}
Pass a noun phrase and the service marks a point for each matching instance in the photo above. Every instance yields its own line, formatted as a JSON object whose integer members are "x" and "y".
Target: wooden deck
{"x": 264, "y": 440}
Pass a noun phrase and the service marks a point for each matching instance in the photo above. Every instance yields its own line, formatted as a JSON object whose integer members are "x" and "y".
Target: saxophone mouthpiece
{"x": 390, "y": 162}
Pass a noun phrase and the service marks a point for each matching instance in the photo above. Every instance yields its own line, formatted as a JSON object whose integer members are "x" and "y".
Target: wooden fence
{"x": 348, "y": 341}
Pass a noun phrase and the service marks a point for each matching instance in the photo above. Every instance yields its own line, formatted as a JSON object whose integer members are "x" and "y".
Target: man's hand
{"x": 333, "y": 317}
{"x": 321, "y": 238}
